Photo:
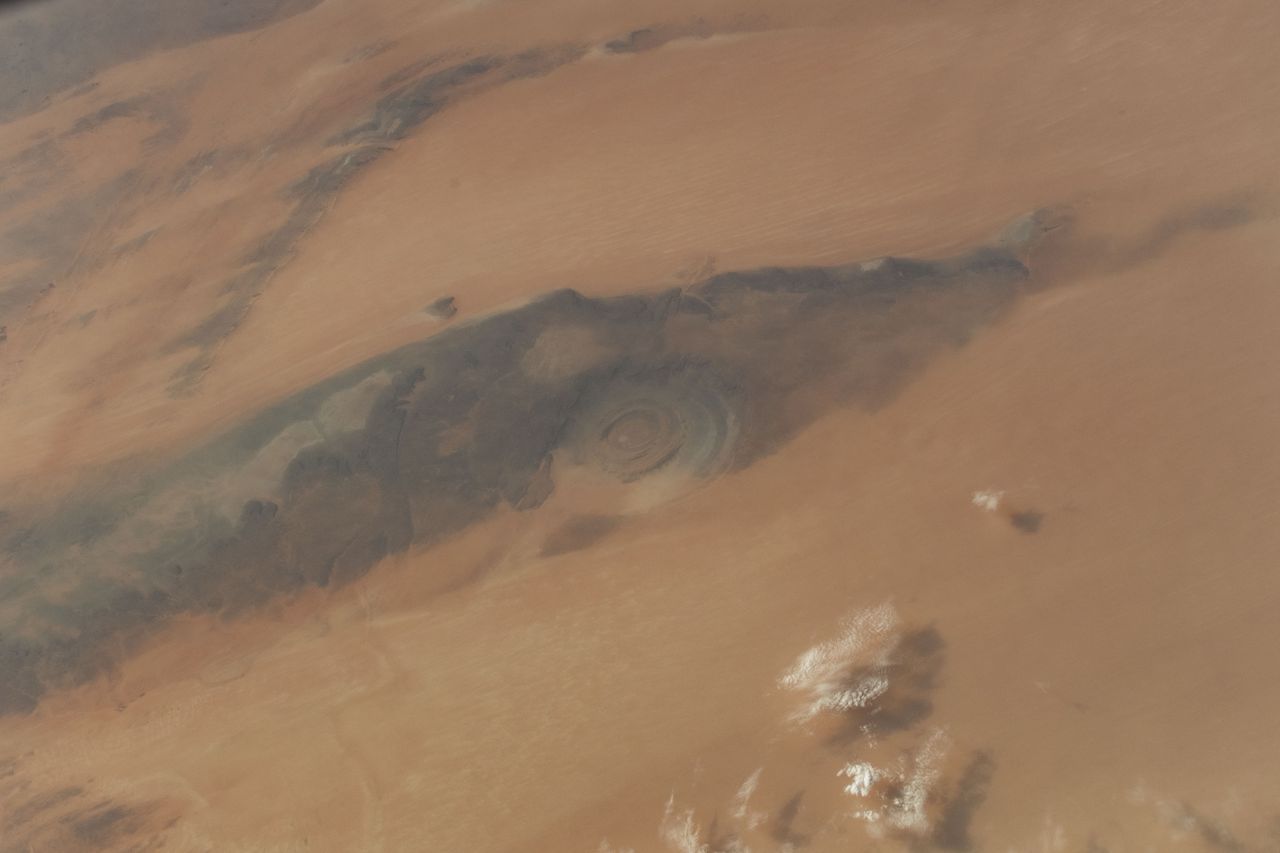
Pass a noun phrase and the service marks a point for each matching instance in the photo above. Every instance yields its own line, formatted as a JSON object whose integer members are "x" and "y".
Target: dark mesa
{"x": 674, "y": 388}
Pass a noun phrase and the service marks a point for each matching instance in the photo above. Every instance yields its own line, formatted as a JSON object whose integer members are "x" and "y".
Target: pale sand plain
{"x": 588, "y": 675}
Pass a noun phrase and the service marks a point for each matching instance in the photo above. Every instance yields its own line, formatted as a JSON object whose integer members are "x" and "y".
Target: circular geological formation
{"x": 682, "y": 422}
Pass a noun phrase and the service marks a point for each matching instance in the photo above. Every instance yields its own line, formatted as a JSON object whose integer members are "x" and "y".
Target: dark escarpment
{"x": 677, "y": 386}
